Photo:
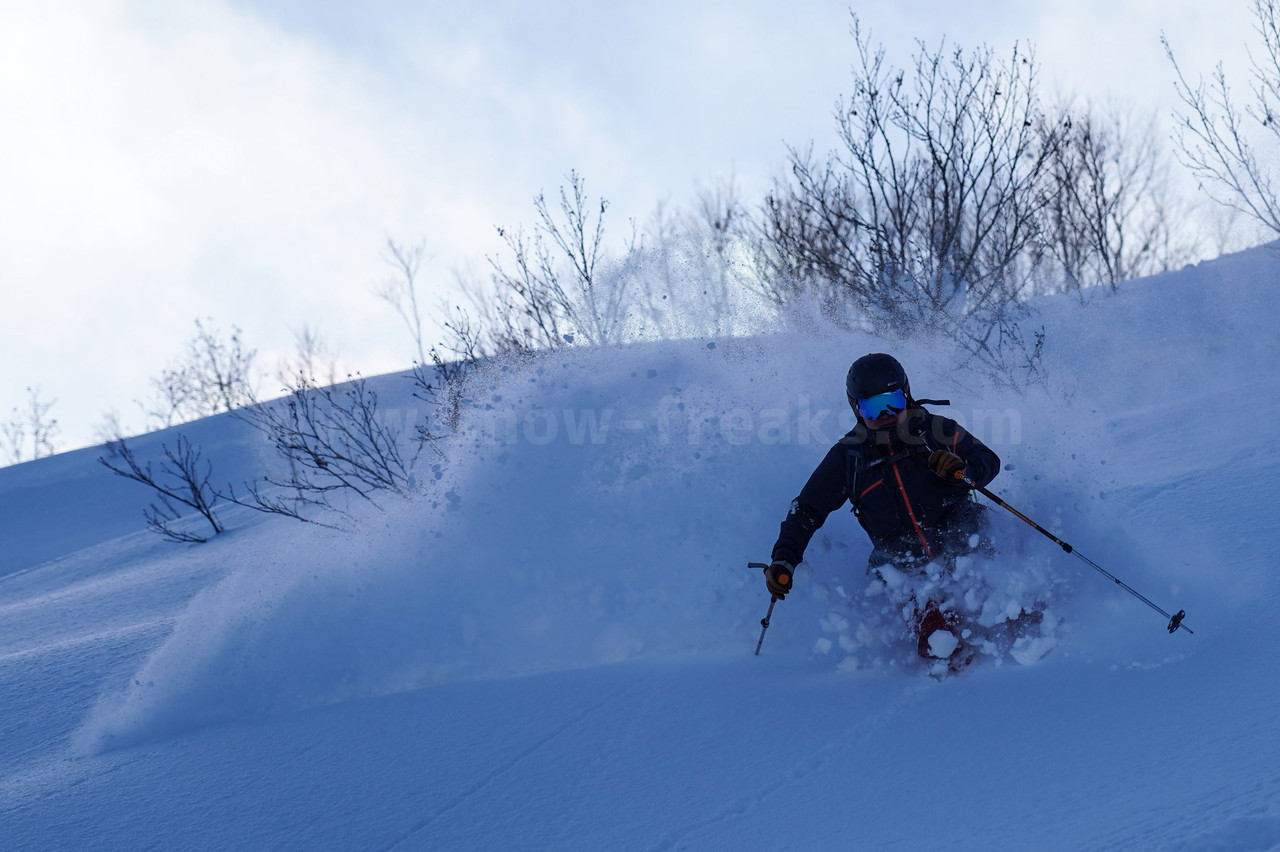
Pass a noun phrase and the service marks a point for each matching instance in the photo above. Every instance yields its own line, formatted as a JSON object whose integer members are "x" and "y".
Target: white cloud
{"x": 167, "y": 163}
{"x": 175, "y": 161}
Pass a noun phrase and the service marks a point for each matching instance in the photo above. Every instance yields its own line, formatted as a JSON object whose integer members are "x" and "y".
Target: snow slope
{"x": 549, "y": 648}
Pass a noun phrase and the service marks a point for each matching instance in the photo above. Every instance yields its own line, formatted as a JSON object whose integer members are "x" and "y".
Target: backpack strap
{"x": 853, "y": 470}
{"x": 923, "y": 433}
{"x": 856, "y": 464}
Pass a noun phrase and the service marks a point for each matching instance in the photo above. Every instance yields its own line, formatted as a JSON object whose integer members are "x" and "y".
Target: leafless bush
{"x": 332, "y": 439}
{"x": 925, "y": 219}
{"x": 717, "y": 229}
{"x": 1111, "y": 208}
{"x": 438, "y": 376}
{"x": 401, "y": 290}
{"x": 553, "y": 291}
{"x": 263, "y": 496}
{"x": 109, "y": 429}
{"x": 442, "y": 385}
{"x": 183, "y": 479}
{"x": 313, "y": 361}
{"x": 686, "y": 273}
{"x": 29, "y": 432}
{"x": 719, "y": 224}
{"x": 690, "y": 271}
{"x": 1228, "y": 148}
{"x": 212, "y": 376}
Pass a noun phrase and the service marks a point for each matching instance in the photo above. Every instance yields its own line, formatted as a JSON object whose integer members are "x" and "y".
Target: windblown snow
{"x": 549, "y": 645}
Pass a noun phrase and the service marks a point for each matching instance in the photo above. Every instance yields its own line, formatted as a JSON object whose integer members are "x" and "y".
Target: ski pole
{"x": 1175, "y": 620}
{"x": 773, "y": 599}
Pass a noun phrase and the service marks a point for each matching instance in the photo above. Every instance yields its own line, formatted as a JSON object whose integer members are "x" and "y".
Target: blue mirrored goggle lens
{"x": 873, "y": 407}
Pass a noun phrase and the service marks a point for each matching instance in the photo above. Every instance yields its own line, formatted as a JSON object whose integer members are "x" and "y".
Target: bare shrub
{"x": 182, "y": 480}
{"x": 401, "y": 290}
{"x": 109, "y": 429}
{"x": 313, "y": 361}
{"x": 442, "y": 385}
{"x": 213, "y": 375}
{"x": 1112, "y": 211}
{"x": 29, "y": 432}
{"x": 924, "y": 221}
{"x": 691, "y": 271}
{"x": 1228, "y": 148}
{"x": 333, "y": 440}
{"x": 551, "y": 290}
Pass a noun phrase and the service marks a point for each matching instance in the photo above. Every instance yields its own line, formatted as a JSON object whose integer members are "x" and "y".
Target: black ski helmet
{"x": 874, "y": 374}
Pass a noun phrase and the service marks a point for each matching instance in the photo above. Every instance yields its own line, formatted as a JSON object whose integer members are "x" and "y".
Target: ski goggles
{"x": 874, "y": 407}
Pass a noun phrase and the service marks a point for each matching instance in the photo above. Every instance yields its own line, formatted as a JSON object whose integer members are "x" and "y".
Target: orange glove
{"x": 778, "y": 578}
{"x": 946, "y": 464}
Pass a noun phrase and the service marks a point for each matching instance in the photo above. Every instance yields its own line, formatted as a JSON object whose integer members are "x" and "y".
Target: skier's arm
{"x": 821, "y": 495}
{"x": 981, "y": 464}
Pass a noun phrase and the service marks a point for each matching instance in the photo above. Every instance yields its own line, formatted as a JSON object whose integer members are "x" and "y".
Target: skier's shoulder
{"x": 853, "y": 440}
{"x": 828, "y": 477}
{"x": 938, "y": 424}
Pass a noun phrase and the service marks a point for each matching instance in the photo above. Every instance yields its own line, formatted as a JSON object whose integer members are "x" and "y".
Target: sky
{"x": 246, "y": 160}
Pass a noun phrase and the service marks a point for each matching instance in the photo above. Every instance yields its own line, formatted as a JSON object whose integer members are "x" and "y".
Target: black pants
{"x": 953, "y": 539}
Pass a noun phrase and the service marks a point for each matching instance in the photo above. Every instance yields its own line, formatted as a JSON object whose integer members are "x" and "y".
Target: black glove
{"x": 778, "y": 578}
{"x": 947, "y": 465}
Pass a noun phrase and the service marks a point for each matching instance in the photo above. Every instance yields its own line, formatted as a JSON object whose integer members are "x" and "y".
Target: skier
{"x": 899, "y": 469}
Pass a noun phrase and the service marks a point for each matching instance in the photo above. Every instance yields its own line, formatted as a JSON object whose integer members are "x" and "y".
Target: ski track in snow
{"x": 514, "y": 762}
{"x": 1213, "y": 825}
{"x": 1254, "y": 833}
{"x": 855, "y": 735}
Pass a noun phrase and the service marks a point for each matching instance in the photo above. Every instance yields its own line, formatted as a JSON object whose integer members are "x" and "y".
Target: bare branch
{"x": 29, "y": 432}
{"x": 926, "y": 219}
{"x": 313, "y": 362}
{"x": 333, "y": 439}
{"x": 1218, "y": 141}
{"x": 215, "y": 374}
{"x": 183, "y": 479}
{"x": 401, "y": 291}
{"x": 551, "y": 289}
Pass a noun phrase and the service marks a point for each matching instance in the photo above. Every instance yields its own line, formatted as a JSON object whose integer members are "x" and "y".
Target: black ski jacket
{"x": 905, "y": 507}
